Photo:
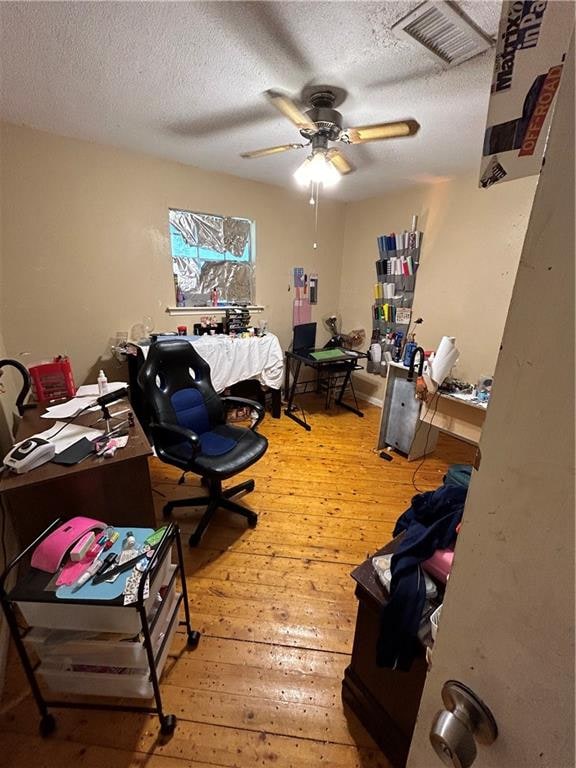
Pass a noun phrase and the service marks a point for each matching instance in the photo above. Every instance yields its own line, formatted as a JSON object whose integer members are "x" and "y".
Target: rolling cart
{"x": 81, "y": 662}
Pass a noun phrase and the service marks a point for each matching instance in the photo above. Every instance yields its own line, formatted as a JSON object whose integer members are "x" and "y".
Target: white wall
{"x": 471, "y": 248}
{"x": 507, "y": 624}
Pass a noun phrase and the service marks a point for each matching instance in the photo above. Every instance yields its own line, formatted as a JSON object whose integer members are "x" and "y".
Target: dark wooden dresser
{"x": 386, "y": 701}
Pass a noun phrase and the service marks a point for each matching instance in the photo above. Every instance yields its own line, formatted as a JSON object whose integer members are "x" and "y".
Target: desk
{"x": 231, "y": 361}
{"x": 457, "y": 417}
{"x": 346, "y": 364}
{"x": 115, "y": 490}
{"x": 385, "y": 701}
{"x": 404, "y": 419}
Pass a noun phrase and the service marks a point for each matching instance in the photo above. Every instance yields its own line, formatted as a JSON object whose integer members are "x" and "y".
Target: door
{"x": 507, "y": 626}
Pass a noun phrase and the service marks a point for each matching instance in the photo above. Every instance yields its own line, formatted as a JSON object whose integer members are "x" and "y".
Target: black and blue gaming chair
{"x": 189, "y": 428}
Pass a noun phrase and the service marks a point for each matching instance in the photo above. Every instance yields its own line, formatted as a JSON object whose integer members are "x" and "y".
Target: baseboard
{"x": 370, "y": 399}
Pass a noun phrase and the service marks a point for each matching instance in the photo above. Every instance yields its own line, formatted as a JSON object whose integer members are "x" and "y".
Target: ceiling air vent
{"x": 445, "y": 31}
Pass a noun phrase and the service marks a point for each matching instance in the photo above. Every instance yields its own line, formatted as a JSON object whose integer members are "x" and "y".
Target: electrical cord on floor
{"x": 3, "y": 534}
{"x": 419, "y": 467}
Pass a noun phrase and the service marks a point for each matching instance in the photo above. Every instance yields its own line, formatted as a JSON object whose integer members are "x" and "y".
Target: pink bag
{"x": 440, "y": 564}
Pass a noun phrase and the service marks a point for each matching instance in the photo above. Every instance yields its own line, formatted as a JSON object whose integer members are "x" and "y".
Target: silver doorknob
{"x": 465, "y": 721}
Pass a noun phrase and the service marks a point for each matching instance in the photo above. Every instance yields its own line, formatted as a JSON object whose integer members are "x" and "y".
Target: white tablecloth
{"x": 234, "y": 359}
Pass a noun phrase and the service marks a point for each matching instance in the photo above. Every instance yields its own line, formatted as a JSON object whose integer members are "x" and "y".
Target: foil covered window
{"x": 212, "y": 259}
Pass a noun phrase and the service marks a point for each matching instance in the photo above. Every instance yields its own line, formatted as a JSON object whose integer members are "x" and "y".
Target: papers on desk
{"x": 69, "y": 435}
{"x": 69, "y": 409}
{"x": 85, "y": 396}
{"x": 91, "y": 390}
{"x": 470, "y": 397}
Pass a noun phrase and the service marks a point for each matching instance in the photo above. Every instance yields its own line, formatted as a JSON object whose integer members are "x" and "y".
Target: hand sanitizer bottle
{"x": 102, "y": 383}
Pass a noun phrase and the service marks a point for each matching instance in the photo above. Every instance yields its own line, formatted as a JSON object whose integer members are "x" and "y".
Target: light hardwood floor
{"x": 276, "y": 608}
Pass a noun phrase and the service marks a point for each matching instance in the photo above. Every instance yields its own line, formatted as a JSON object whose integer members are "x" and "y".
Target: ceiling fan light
{"x": 302, "y": 173}
{"x": 317, "y": 169}
{"x": 331, "y": 174}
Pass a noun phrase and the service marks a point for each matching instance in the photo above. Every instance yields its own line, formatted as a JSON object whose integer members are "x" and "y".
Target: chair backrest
{"x": 176, "y": 382}
{"x": 304, "y": 338}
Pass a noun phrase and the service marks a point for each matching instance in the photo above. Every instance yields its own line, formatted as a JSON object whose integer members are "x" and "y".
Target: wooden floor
{"x": 276, "y": 608}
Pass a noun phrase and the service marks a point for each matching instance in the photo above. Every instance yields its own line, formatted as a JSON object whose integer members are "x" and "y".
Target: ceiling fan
{"x": 320, "y": 124}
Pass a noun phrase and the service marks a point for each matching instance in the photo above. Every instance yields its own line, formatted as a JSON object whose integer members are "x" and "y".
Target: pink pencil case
{"x": 440, "y": 564}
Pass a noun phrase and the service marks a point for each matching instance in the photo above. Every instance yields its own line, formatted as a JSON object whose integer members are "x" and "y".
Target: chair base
{"x": 217, "y": 498}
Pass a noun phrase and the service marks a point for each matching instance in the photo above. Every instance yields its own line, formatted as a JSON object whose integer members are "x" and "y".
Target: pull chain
{"x": 316, "y": 203}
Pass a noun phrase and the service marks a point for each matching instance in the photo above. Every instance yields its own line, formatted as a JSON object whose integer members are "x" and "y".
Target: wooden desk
{"x": 386, "y": 701}
{"x": 115, "y": 490}
{"x": 460, "y": 418}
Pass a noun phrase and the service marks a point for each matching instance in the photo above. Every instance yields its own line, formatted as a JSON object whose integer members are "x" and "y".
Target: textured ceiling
{"x": 184, "y": 81}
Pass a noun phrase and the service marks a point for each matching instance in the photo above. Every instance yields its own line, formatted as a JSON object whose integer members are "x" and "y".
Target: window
{"x": 212, "y": 259}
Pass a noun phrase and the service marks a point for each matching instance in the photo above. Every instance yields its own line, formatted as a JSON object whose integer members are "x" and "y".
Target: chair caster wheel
{"x": 167, "y": 725}
{"x": 250, "y": 487}
{"x": 194, "y": 540}
{"x": 193, "y": 639}
{"x": 167, "y": 511}
{"x": 47, "y": 726}
{"x": 253, "y": 521}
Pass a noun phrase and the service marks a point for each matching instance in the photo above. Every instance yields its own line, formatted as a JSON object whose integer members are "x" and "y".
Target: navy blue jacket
{"x": 429, "y": 524}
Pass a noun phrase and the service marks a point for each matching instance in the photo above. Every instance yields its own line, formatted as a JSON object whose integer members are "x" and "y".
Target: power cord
{"x": 430, "y": 424}
{"x": 3, "y": 534}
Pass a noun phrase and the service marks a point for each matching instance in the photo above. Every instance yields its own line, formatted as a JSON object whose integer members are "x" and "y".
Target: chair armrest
{"x": 173, "y": 430}
{"x": 244, "y": 402}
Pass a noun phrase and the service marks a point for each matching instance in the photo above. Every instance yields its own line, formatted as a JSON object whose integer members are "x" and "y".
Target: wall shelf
{"x": 195, "y": 311}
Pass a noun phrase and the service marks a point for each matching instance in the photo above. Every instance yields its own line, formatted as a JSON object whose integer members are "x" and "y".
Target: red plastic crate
{"x": 53, "y": 381}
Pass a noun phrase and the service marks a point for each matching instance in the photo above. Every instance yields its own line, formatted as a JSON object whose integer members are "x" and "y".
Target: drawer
{"x": 68, "y": 648}
{"x": 104, "y": 616}
{"x": 122, "y": 682}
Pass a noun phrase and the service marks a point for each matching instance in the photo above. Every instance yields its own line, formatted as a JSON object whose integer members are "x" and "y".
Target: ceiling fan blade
{"x": 289, "y": 109}
{"x": 379, "y": 131}
{"x": 270, "y": 150}
{"x": 340, "y": 161}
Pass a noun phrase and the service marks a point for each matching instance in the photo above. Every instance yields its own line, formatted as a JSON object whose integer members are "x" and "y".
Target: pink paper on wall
{"x": 301, "y": 311}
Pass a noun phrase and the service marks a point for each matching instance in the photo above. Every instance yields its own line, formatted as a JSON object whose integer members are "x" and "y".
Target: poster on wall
{"x": 533, "y": 39}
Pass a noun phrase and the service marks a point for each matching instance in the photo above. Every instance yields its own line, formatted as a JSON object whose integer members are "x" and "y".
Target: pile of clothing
{"x": 429, "y": 524}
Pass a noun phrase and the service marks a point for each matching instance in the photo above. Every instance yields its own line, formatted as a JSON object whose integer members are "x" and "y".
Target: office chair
{"x": 189, "y": 429}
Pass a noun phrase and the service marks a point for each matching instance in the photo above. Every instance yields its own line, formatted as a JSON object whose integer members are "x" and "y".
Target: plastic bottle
{"x": 129, "y": 541}
{"x": 102, "y": 383}
{"x": 409, "y": 350}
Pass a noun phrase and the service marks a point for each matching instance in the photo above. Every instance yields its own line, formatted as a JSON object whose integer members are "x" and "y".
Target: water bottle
{"x": 408, "y": 352}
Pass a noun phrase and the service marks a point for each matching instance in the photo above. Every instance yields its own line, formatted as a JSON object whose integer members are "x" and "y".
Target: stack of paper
{"x": 85, "y": 397}
{"x": 69, "y": 434}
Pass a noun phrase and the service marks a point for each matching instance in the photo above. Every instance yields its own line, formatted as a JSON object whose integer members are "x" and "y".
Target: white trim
{"x": 369, "y": 399}
{"x": 253, "y": 308}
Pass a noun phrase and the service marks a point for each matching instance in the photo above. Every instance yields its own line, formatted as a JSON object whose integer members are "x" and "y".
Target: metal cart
{"x": 161, "y": 553}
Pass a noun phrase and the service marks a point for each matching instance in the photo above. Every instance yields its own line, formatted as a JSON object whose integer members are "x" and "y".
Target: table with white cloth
{"x": 231, "y": 359}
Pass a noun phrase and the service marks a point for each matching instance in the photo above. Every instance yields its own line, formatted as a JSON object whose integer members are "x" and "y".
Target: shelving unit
{"x": 109, "y": 649}
{"x": 402, "y": 252}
